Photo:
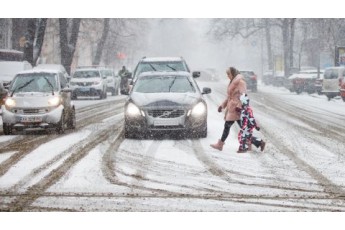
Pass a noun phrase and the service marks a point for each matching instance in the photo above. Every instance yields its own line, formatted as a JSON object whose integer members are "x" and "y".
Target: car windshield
{"x": 163, "y": 84}
{"x": 86, "y": 74}
{"x": 331, "y": 74}
{"x": 107, "y": 73}
{"x": 34, "y": 82}
{"x": 161, "y": 66}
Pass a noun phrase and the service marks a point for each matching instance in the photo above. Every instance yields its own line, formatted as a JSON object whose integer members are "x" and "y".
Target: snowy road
{"x": 95, "y": 169}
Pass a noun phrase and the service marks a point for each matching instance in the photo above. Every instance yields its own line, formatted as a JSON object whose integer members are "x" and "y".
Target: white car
{"x": 113, "y": 81}
{"x": 332, "y": 78}
{"x": 87, "y": 82}
{"x": 38, "y": 99}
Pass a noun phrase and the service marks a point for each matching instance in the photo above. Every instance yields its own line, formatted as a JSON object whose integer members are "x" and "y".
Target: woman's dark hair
{"x": 234, "y": 71}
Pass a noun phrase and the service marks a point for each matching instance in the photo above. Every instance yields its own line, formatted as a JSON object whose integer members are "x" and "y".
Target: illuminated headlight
{"x": 199, "y": 109}
{"x": 54, "y": 101}
{"x": 10, "y": 102}
{"x": 133, "y": 110}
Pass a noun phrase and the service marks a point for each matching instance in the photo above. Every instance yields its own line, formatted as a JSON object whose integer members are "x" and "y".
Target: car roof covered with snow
{"x": 162, "y": 59}
{"x": 163, "y": 73}
{"x": 39, "y": 71}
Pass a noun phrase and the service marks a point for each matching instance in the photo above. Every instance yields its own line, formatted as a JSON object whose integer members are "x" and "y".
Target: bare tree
{"x": 34, "y": 39}
{"x": 101, "y": 42}
{"x": 68, "y": 45}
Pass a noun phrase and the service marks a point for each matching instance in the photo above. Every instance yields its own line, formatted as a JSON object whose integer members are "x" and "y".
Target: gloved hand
{"x": 257, "y": 128}
{"x": 238, "y": 109}
{"x": 220, "y": 108}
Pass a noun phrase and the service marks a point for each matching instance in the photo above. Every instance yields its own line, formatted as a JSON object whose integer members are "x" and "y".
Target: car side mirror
{"x": 206, "y": 90}
{"x": 196, "y": 74}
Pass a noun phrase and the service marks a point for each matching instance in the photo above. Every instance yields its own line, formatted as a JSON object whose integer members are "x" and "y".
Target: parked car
{"x": 267, "y": 77}
{"x": 251, "y": 79}
{"x": 166, "y": 101}
{"x": 58, "y": 67}
{"x": 279, "y": 79}
{"x": 318, "y": 82}
{"x": 88, "y": 81}
{"x": 332, "y": 80}
{"x": 304, "y": 81}
{"x": 113, "y": 81}
{"x": 8, "y": 69}
{"x": 38, "y": 99}
{"x": 159, "y": 64}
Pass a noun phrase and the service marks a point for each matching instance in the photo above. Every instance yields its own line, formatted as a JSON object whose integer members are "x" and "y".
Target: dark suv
{"x": 162, "y": 64}
{"x": 251, "y": 79}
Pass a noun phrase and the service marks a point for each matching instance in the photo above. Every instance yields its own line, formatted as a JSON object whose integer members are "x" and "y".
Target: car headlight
{"x": 133, "y": 110}
{"x": 198, "y": 110}
{"x": 54, "y": 101}
{"x": 10, "y": 102}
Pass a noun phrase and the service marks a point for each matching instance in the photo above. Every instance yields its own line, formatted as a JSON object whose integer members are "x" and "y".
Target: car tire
{"x": 60, "y": 129}
{"x": 7, "y": 129}
{"x": 71, "y": 122}
{"x": 343, "y": 99}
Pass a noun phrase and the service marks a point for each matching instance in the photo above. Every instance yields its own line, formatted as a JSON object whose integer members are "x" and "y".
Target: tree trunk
{"x": 42, "y": 23}
{"x": 286, "y": 43}
{"x": 68, "y": 47}
{"x": 269, "y": 45}
{"x": 292, "y": 38}
{"x": 101, "y": 43}
{"x": 18, "y": 31}
{"x": 30, "y": 39}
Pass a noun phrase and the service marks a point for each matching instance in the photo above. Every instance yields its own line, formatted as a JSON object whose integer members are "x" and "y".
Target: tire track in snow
{"x": 35, "y": 191}
{"x": 35, "y": 141}
{"x": 328, "y": 186}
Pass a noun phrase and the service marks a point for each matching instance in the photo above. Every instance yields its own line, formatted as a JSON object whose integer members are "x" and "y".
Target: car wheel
{"x": 7, "y": 129}
{"x": 343, "y": 98}
{"x": 61, "y": 125}
{"x": 72, "y": 123}
{"x": 105, "y": 94}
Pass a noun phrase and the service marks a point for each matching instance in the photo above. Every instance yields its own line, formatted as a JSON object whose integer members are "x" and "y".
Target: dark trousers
{"x": 227, "y": 127}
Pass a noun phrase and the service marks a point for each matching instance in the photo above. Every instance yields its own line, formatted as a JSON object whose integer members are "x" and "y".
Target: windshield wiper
{"x": 172, "y": 83}
{"x": 152, "y": 67}
{"x": 22, "y": 86}
{"x": 50, "y": 84}
{"x": 171, "y": 67}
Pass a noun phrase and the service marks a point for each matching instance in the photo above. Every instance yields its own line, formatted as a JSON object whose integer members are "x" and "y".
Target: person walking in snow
{"x": 124, "y": 76}
{"x": 248, "y": 123}
{"x": 236, "y": 87}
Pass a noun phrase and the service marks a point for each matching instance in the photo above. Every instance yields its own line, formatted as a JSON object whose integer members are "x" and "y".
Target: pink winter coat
{"x": 234, "y": 91}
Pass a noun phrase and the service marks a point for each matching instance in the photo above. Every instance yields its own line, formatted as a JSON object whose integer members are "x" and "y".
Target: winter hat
{"x": 244, "y": 99}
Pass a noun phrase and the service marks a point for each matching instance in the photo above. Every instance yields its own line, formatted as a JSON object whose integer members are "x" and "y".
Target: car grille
{"x": 166, "y": 113}
{"x": 84, "y": 83}
{"x": 30, "y": 111}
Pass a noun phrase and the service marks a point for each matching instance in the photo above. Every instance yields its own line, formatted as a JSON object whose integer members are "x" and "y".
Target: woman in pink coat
{"x": 232, "y": 104}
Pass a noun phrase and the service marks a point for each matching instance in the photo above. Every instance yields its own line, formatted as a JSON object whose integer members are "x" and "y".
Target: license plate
{"x": 31, "y": 119}
{"x": 166, "y": 122}
{"x": 84, "y": 89}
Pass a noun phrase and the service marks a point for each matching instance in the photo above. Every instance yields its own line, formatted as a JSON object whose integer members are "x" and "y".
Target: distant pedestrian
{"x": 236, "y": 87}
{"x": 248, "y": 124}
